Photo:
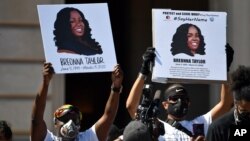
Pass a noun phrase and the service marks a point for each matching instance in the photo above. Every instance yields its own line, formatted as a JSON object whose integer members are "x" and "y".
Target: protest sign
{"x": 190, "y": 46}
{"x": 77, "y": 38}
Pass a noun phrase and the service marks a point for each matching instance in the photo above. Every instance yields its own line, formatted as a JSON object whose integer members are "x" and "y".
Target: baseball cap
{"x": 136, "y": 131}
{"x": 175, "y": 90}
{"x": 67, "y": 112}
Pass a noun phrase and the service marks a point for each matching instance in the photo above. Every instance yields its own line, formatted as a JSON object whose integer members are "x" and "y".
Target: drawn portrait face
{"x": 77, "y": 25}
{"x": 73, "y": 34}
{"x": 193, "y": 39}
{"x": 188, "y": 40}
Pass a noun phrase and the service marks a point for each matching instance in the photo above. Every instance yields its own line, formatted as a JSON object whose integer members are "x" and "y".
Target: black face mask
{"x": 244, "y": 118}
{"x": 178, "y": 109}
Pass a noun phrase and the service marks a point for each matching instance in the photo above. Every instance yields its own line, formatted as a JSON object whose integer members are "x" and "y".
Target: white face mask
{"x": 69, "y": 130}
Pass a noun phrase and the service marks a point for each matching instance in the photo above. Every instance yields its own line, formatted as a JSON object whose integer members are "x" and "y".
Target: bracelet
{"x": 117, "y": 90}
{"x": 142, "y": 76}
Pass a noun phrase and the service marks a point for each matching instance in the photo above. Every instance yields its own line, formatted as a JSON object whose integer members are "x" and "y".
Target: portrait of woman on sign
{"x": 72, "y": 33}
{"x": 189, "y": 40}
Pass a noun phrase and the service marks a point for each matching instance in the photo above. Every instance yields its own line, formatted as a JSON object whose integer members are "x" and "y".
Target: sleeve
{"x": 205, "y": 119}
{"x": 88, "y": 135}
{"x": 49, "y": 136}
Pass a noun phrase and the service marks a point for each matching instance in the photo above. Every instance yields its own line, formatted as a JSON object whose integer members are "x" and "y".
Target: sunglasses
{"x": 175, "y": 98}
{"x": 64, "y": 115}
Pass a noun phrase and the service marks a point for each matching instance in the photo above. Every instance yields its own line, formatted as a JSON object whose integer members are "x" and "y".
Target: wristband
{"x": 117, "y": 90}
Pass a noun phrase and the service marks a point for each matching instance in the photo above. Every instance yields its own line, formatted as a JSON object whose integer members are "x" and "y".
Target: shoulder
{"x": 88, "y": 135}
{"x": 219, "y": 129}
{"x": 173, "y": 133}
{"x": 224, "y": 121}
{"x": 205, "y": 118}
{"x": 50, "y": 136}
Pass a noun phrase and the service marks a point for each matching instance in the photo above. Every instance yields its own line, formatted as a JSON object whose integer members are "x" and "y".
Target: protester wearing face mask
{"x": 239, "y": 116}
{"x": 177, "y": 99}
{"x": 176, "y": 103}
{"x": 67, "y": 118}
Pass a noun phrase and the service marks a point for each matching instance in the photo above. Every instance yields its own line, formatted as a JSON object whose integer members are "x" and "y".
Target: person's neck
{"x": 171, "y": 117}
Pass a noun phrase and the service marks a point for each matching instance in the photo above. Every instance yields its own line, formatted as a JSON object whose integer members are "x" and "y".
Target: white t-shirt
{"x": 88, "y": 135}
{"x": 173, "y": 134}
{"x": 205, "y": 119}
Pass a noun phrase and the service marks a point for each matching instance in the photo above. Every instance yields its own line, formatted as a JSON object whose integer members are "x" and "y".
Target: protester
{"x": 67, "y": 118}
{"x": 176, "y": 97}
{"x": 239, "y": 116}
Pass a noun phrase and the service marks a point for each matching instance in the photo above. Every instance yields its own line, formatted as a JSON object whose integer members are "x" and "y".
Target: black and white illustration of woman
{"x": 72, "y": 33}
{"x": 188, "y": 40}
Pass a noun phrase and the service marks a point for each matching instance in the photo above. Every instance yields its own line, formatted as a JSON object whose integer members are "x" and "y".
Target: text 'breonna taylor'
{"x": 81, "y": 61}
{"x": 180, "y": 60}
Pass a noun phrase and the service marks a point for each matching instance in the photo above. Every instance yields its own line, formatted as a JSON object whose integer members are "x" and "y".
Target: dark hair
{"x": 63, "y": 31}
{"x": 5, "y": 130}
{"x": 241, "y": 83}
{"x": 179, "y": 41}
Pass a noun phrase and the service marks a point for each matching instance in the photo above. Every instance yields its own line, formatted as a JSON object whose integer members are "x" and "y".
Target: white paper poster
{"x": 77, "y": 38}
{"x": 190, "y": 45}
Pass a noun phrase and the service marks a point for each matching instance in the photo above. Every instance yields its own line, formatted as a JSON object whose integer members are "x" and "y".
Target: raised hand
{"x": 230, "y": 56}
{"x": 148, "y": 57}
{"x": 48, "y": 72}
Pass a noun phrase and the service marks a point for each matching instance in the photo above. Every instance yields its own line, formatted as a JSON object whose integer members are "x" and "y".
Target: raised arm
{"x": 136, "y": 91}
{"x": 104, "y": 123}
{"x": 226, "y": 97}
{"x": 225, "y": 103}
{"x": 38, "y": 126}
{"x": 135, "y": 95}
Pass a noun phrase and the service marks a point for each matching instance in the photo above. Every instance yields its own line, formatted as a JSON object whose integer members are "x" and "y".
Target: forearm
{"x": 104, "y": 123}
{"x": 38, "y": 126}
{"x": 40, "y": 102}
{"x": 135, "y": 96}
{"x": 226, "y": 95}
{"x": 112, "y": 105}
{"x": 226, "y": 98}
{"x": 225, "y": 103}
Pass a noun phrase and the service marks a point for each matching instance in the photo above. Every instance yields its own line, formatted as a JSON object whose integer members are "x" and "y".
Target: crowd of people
{"x": 233, "y": 109}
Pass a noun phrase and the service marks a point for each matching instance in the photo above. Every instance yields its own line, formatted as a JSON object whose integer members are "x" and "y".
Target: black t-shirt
{"x": 219, "y": 130}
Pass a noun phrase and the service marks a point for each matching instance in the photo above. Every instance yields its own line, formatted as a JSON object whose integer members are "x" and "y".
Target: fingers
{"x": 229, "y": 48}
{"x": 48, "y": 69}
{"x": 150, "y": 49}
{"x": 150, "y": 53}
{"x": 117, "y": 71}
{"x": 200, "y": 138}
